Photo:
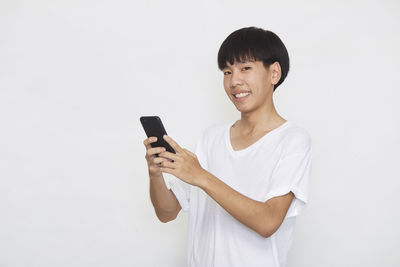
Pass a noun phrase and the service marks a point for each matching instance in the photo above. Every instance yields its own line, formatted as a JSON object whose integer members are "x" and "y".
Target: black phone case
{"x": 153, "y": 126}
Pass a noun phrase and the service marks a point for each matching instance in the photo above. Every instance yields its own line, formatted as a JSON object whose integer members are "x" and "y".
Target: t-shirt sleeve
{"x": 182, "y": 189}
{"x": 292, "y": 174}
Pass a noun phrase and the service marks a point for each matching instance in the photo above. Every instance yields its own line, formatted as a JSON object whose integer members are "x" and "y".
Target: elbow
{"x": 167, "y": 215}
{"x": 266, "y": 231}
{"x": 164, "y": 218}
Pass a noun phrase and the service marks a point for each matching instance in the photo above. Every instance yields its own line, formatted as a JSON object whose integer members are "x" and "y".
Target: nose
{"x": 236, "y": 79}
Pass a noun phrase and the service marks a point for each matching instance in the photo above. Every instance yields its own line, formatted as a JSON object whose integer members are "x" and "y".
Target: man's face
{"x": 248, "y": 84}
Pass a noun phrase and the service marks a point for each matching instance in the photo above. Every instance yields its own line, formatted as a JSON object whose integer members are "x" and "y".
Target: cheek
{"x": 260, "y": 83}
{"x": 226, "y": 85}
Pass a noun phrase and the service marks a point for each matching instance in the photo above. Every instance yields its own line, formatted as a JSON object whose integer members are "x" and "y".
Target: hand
{"x": 186, "y": 166}
{"x": 153, "y": 162}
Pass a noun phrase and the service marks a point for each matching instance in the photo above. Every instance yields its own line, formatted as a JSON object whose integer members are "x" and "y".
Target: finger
{"x": 169, "y": 155}
{"x": 149, "y": 140}
{"x": 154, "y": 150}
{"x": 174, "y": 144}
{"x": 168, "y": 170}
{"x": 167, "y": 164}
{"x": 157, "y": 161}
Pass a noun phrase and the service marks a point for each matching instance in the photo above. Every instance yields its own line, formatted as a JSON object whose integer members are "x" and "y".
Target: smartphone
{"x": 153, "y": 126}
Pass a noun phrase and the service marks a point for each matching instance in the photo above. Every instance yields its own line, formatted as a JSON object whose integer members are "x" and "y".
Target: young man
{"x": 247, "y": 180}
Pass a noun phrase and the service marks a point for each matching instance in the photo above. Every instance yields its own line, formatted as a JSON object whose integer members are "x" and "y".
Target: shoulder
{"x": 295, "y": 139}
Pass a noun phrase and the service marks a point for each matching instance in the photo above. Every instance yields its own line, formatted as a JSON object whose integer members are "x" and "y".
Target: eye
{"x": 227, "y": 72}
{"x": 246, "y": 68}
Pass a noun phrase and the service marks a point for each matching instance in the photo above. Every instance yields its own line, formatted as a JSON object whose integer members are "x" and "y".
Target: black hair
{"x": 253, "y": 43}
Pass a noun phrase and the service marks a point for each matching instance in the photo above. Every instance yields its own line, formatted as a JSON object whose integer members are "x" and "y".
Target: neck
{"x": 263, "y": 119}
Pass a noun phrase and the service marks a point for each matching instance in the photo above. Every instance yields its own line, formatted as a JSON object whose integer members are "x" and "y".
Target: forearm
{"x": 254, "y": 214}
{"x": 164, "y": 201}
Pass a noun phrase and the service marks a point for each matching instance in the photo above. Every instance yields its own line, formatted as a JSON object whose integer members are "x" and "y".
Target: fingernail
{"x": 163, "y": 149}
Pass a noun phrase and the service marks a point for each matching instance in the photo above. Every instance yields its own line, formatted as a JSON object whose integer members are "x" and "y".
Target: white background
{"x": 75, "y": 76}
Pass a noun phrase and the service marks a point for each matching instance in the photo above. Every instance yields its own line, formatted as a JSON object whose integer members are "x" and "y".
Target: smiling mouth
{"x": 241, "y": 95}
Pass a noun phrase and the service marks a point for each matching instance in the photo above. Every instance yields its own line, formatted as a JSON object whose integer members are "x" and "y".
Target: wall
{"x": 75, "y": 76}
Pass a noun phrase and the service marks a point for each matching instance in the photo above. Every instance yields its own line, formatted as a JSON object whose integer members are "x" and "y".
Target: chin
{"x": 244, "y": 109}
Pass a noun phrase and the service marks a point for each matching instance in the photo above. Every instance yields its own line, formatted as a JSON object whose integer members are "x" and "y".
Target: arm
{"x": 264, "y": 218}
{"x": 164, "y": 201}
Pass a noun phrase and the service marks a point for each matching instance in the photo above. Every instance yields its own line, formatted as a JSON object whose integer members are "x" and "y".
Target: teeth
{"x": 241, "y": 95}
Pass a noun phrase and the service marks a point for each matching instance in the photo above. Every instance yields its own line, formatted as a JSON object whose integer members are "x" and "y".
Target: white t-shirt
{"x": 277, "y": 163}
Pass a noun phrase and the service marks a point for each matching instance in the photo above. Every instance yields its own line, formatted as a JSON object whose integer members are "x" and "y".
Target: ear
{"x": 276, "y": 72}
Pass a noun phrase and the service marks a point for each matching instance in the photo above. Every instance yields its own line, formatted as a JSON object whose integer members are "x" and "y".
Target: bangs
{"x": 235, "y": 55}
